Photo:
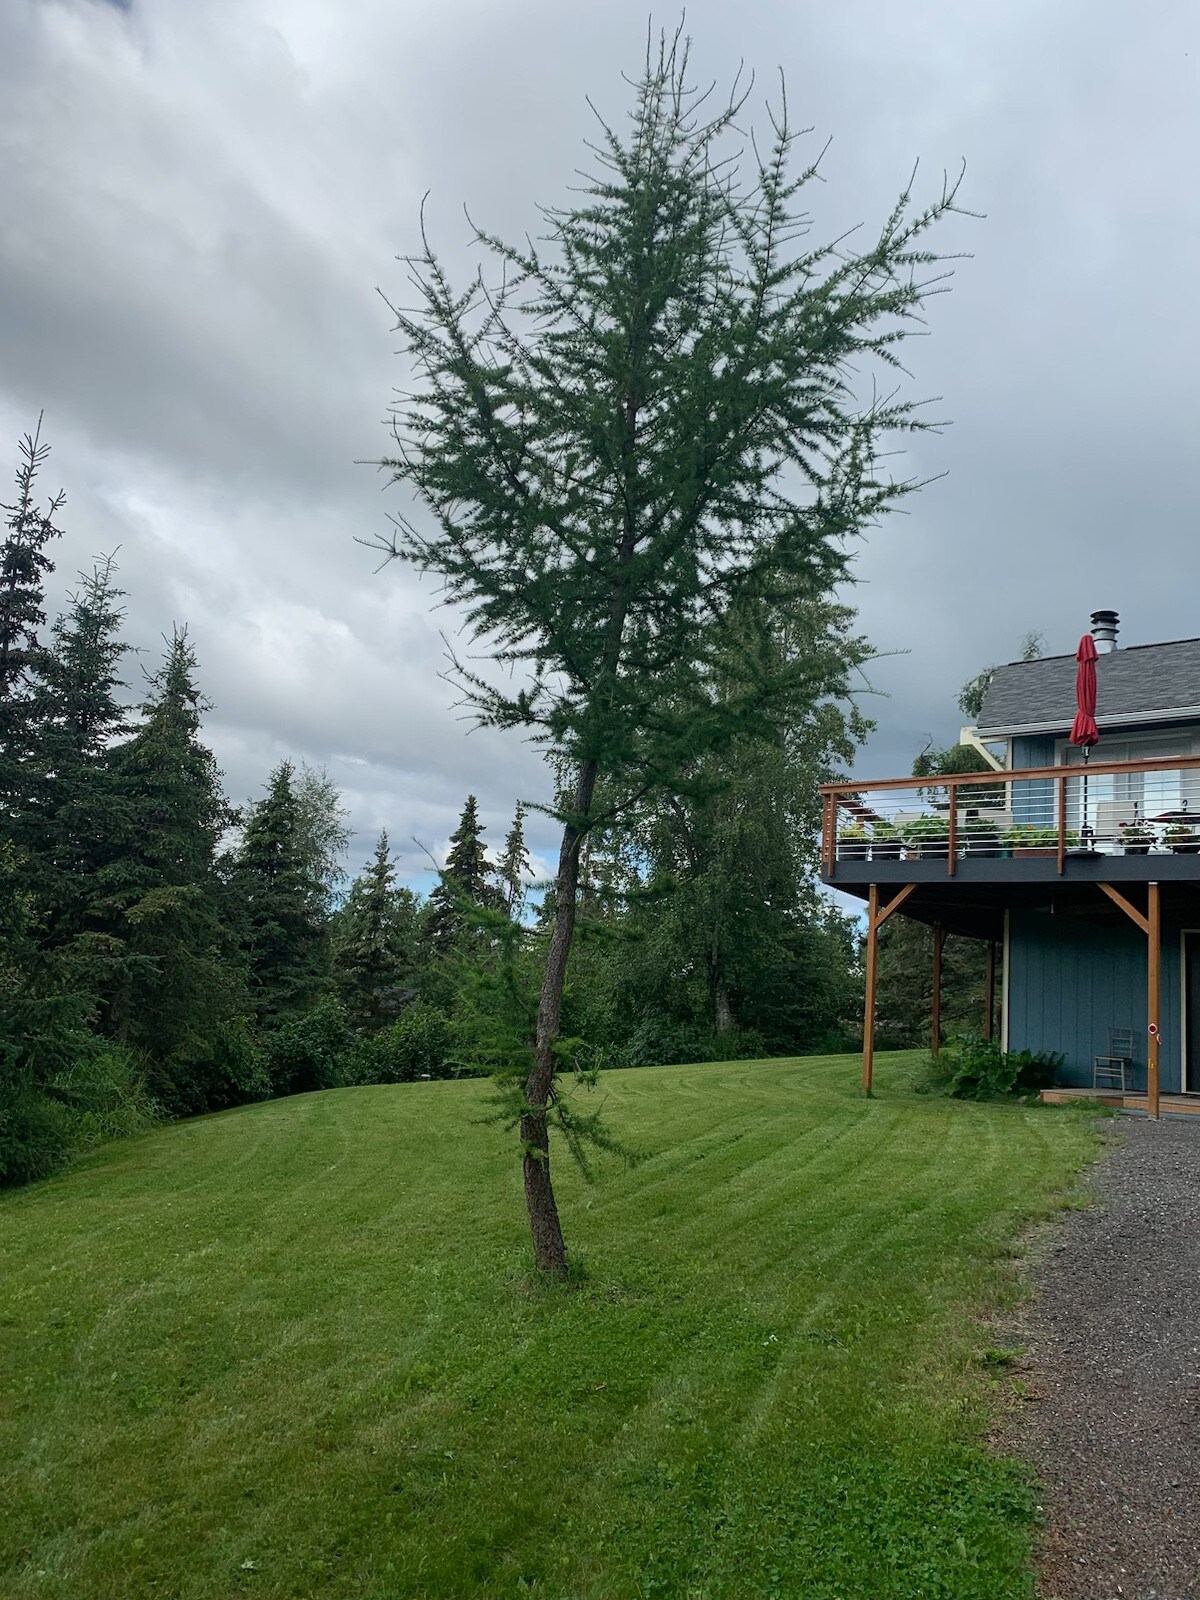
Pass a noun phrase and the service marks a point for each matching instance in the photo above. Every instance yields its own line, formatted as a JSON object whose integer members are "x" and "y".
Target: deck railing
{"x": 1103, "y": 807}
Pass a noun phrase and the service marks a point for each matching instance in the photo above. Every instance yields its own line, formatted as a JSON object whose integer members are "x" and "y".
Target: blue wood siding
{"x": 1069, "y": 982}
{"x": 1033, "y": 800}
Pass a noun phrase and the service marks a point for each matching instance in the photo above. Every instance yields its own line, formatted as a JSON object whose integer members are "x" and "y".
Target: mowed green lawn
{"x": 294, "y": 1350}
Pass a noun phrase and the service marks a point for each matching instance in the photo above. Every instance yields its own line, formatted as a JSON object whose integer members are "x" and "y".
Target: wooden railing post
{"x": 952, "y": 852}
{"x": 1062, "y": 821}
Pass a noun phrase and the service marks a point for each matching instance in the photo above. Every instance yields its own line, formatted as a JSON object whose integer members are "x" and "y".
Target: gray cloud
{"x": 199, "y": 201}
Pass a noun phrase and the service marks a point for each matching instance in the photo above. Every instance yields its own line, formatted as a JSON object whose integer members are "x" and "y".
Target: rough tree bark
{"x": 549, "y": 1247}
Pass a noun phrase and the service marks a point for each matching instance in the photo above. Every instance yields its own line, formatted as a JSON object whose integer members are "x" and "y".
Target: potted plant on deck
{"x": 927, "y": 838}
{"x": 1183, "y": 839}
{"x": 980, "y": 836}
{"x": 1027, "y": 839}
{"x": 853, "y": 842}
{"x": 885, "y": 842}
{"x": 1136, "y": 836}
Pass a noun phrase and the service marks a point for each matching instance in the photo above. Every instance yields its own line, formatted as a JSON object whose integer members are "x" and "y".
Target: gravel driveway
{"x": 1113, "y": 1423}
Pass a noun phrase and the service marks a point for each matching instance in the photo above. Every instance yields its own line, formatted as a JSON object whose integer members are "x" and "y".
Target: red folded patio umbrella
{"x": 1084, "y": 731}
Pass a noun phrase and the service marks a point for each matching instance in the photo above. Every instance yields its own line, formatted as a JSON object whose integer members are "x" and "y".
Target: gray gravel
{"x": 1112, "y": 1419}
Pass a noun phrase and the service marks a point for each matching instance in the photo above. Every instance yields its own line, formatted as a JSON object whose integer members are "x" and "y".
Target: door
{"x": 1191, "y": 1012}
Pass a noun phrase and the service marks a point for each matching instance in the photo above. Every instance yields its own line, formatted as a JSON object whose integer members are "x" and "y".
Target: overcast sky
{"x": 198, "y": 199}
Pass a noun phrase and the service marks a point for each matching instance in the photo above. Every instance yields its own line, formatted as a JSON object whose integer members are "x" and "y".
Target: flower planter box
{"x": 1137, "y": 849}
{"x": 1187, "y": 847}
{"x": 886, "y": 850}
{"x": 1028, "y": 851}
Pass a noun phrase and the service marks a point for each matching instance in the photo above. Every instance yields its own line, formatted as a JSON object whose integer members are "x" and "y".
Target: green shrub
{"x": 105, "y": 1095}
{"x": 305, "y": 1052}
{"x": 101, "y": 1095}
{"x": 656, "y": 1041}
{"x": 419, "y": 1044}
{"x": 974, "y": 1068}
{"x": 226, "y": 1069}
{"x": 35, "y": 1134}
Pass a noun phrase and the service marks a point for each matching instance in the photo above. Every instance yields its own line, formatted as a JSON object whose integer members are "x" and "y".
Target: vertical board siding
{"x": 1033, "y": 799}
{"x": 1071, "y": 981}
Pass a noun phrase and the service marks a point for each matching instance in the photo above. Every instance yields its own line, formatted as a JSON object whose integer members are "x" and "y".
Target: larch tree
{"x": 617, "y": 434}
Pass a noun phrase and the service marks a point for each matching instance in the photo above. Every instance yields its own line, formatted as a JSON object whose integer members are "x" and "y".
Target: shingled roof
{"x": 1143, "y": 683}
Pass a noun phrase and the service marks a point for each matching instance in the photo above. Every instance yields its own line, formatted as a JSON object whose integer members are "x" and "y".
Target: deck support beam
{"x": 1151, "y": 926}
{"x": 877, "y": 915}
{"x": 935, "y": 1004}
{"x": 989, "y": 985}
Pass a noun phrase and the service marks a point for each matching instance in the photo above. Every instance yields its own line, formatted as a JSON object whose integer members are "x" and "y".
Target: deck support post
{"x": 989, "y": 986}
{"x": 868, "y": 1070}
{"x": 1151, "y": 926}
{"x": 877, "y": 915}
{"x": 1153, "y": 998}
{"x": 935, "y": 1004}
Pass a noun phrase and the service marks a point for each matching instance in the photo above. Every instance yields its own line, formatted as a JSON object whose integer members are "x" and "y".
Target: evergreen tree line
{"x": 165, "y": 953}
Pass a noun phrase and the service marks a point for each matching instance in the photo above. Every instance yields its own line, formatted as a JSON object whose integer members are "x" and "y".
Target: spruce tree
{"x": 24, "y": 566}
{"x": 467, "y": 877}
{"x": 623, "y": 433}
{"x": 280, "y": 902}
{"x": 373, "y": 938}
{"x": 70, "y": 817}
{"x": 161, "y": 895}
{"x": 514, "y": 866}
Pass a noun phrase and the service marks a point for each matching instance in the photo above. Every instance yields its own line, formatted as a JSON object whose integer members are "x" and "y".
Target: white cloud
{"x": 200, "y": 198}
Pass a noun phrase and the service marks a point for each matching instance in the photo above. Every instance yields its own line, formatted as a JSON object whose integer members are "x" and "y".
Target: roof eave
{"x": 1122, "y": 719}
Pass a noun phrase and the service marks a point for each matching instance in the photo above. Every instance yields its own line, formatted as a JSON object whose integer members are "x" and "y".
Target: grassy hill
{"x": 293, "y": 1350}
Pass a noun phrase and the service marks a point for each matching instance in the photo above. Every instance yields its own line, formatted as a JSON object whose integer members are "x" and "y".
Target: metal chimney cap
{"x": 1104, "y": 629}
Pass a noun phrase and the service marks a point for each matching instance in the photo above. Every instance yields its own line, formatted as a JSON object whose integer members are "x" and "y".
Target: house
{"x": 1081, "y": 870}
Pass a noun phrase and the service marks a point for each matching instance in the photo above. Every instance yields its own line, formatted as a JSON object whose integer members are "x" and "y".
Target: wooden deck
{"x": 1169, "y": 1105}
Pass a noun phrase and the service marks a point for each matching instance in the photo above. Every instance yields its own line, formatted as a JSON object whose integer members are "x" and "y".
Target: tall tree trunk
{"x": 722, "y": 1014}
{"x": 549, "y": 1247}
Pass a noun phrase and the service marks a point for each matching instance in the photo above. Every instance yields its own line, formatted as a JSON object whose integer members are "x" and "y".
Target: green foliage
{"x": 35, "y": 1134}
{"x": 161, "y": 895}
{"x": 419, "y": 1044}
{"x": 974, "y": 1068}
{"x": 625, "y": 439}
{"x": 280, "y": 901}
{"x": 106, "y": 1096}
{"x": 656, "y": 1041}
{"x": 70, "y": 817}
{"x": 467, "y": 881}
{"x": 905, "y": 983}
{"x": 305, "y": 1050}
{"x": 973, "y": 693}
{"x": 24, "y": 566}
{"x": 374, "y": 944}
{"x": 227, "y": 1067}
{"x": 514, "y": 866}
